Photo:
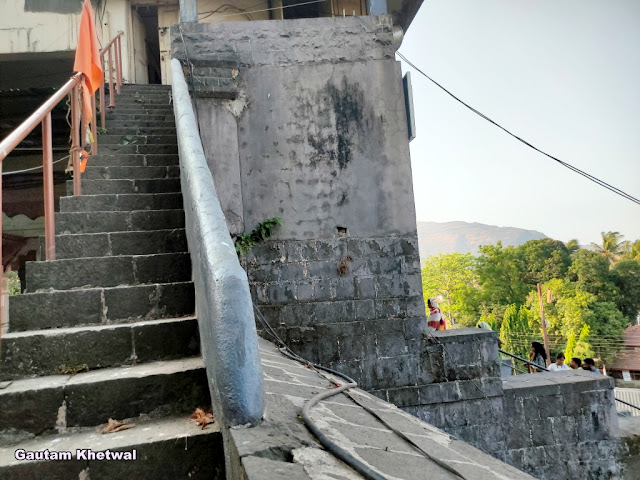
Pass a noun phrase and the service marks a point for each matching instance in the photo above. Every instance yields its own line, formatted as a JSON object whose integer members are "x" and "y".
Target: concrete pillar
{"x": 377, "y": 7}
{"x": 188, "y": 11}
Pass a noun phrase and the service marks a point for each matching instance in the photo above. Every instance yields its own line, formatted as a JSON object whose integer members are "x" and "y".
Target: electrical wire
{"x": 324, "y": 440}
{"x": 588, "y": 176}
{"x": 15, "y": 172}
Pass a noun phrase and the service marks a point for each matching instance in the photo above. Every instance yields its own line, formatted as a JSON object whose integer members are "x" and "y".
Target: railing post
{"x": 47, "y": 172}
{"x": 1, "y": 227}
{"x": 111, "y": 89}
{"x": 103, "y": 120}
{"x": 75, "y": 143}
{"x": 119, "y": 62}
{"x": 94, "y": 129}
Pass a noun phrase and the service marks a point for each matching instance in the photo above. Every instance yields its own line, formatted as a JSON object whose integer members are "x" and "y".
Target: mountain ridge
{"x": 435, "y": 238}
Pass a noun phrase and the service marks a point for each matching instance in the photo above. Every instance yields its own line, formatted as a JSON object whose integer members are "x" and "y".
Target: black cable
{"x": 324, "y": 440}
{"x": 588, "y": 176}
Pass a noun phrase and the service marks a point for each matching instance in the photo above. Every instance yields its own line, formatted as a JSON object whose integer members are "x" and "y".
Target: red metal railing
{"x": 43, "y": 116}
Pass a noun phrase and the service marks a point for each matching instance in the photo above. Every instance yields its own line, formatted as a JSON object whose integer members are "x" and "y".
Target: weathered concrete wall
{"x": 317, "y": 108}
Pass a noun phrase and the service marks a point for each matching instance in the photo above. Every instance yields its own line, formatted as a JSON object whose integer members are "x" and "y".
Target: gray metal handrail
{"x": 223, "y": 300}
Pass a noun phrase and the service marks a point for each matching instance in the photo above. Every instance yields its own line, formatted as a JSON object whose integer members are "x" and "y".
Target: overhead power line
{"x": 588, "y": 176}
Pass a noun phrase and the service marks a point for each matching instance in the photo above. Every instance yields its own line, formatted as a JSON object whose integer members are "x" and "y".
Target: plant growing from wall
{"x": 244, "y": 242}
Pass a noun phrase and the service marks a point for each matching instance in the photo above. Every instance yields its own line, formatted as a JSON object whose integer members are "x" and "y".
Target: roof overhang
{"x": 403, "y": 11}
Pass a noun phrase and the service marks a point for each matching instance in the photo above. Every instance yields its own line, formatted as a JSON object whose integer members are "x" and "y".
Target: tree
{"x": 634, "y": 251}
{"x": 583, "y": 349}
{"x": 451, "y": 276}
{"x": 499, "y": 273}
{"x": 543, "y": 260}
{"x": 571, "y": 345}
{"x": 626, "y": 276}
{"x": 613, "y": 247}
{"x": 572, "y": 246}
{"x": 590, "y": 272}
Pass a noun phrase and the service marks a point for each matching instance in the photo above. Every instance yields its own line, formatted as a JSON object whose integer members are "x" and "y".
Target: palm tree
{"x": 634, "y": 251}
{"x": 572, "y": 245}
{"x": 613, "y": 247}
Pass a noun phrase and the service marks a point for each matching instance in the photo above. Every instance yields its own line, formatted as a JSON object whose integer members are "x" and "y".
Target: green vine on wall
{"x": 244, "y": 242}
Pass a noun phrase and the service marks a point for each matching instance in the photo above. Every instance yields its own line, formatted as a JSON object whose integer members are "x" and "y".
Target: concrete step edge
{"x": 148, "y": 431}
{"x": 96, "y": 328}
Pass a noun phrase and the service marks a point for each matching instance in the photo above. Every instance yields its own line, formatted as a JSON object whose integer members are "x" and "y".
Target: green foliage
{"x": 14, "y": 283}
{"x": 451, "y": 277}
{"x": 571, "y": 346}
{"x": 613, "y": 247}
{"x": 244, "y": 242}
{"x": 594, "y": 297}
{"x": 583, "y": 348}
{"x": 626, "y": 276}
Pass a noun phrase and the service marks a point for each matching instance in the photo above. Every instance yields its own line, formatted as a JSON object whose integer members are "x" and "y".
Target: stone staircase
{"x": 116, "y": 306}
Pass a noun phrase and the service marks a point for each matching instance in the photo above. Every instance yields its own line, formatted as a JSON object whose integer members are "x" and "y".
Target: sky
{"x": 563, "y": 75}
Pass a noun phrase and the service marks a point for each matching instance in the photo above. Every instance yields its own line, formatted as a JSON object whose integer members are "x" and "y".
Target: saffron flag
{"x": 88, "y": 58}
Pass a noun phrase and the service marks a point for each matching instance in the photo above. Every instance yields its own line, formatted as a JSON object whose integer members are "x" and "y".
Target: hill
{"x": 435, "y": 238}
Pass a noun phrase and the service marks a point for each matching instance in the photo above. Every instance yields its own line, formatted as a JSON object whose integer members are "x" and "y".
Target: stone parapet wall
{"x": 567, "y": 425}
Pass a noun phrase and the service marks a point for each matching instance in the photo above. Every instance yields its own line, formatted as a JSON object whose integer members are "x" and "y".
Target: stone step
{"x": 100, "y": 187}
{"x": 114, "y": 149}
{"x": 143, "y": 99}
{"x": 119, "y": 243}
{"x": 102, "y": 222}
{"x": 133, "y": 160}
{"x": 47, "y": 352}
{"x": 120, "y": 173}
{"x": 144, "y": 109}
{"x": 48, "y": 404}
{"x": 113, "y": 117}
{"x": 166, "y": 449}
{"x": 121, "y": 202}
{"x": 109, "y": 271}
{"x": 118, "y": 126}
{"x": 134, "y": 128}
{"x": 145, "y": 87}
{"x": 151, "y": 107}
{"x": 132, "y": 139}
{"x": 91, "y": 306}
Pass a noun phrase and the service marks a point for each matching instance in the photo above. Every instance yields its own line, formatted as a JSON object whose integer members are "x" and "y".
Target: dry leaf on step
{"x": 202, "y": 418}
{"x": 115, "y": 426}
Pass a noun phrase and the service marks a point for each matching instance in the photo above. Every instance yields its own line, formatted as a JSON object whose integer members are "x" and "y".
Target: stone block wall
{"x": 351, "y": 304}
{"x": 568, "y": 426}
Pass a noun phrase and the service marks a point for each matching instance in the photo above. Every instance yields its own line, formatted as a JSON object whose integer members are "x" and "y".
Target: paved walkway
{"x": 268, "y": 450}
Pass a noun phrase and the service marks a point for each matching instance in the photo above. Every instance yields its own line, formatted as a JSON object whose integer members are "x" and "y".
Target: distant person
{"x": 538, "y": 356}
{"x": 436, "y": 320}
{"x": 575, "y": 363}
{"x": 590, "y": 365}
{"x": 559, "y": 365}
